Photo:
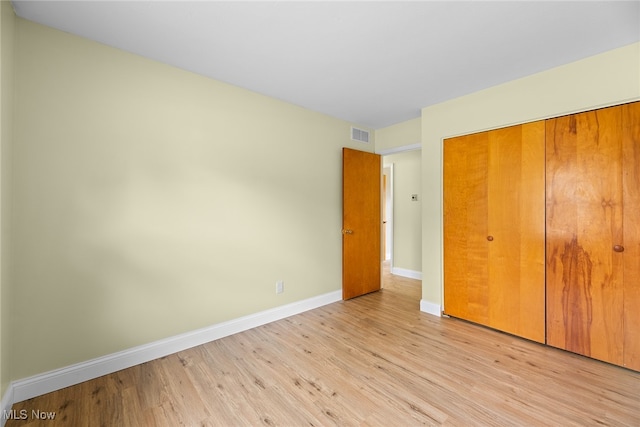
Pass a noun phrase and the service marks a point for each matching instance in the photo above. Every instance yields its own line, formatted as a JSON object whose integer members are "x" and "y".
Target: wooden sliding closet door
{"x": 585, "y": 298}
{"x": 631, "y": 226}
{"x": 466, "y": 250}
{"x": 494, "y": 229}
{"x": 516, "y": 223}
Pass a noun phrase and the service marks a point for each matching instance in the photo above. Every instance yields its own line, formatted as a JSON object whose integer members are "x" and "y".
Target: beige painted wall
{"x": 150, "y": 201}
{"x": 398, "y": 135}
{"x": 407, "y": 219}
{"x": 606, "y": 79}
{"x": 7, "y": 20}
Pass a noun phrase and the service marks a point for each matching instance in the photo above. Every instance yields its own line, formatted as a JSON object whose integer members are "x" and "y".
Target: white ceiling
{"x": 371, "y": 63}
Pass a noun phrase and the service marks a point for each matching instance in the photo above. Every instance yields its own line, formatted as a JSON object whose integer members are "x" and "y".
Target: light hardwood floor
{"x": 371, "y": 361}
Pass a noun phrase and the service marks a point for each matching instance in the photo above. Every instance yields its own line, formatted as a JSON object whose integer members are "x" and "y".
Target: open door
{"x": 361, "y": 223}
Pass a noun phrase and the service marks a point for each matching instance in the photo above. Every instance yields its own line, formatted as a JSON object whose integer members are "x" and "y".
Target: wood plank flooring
{"x": 372, "y": 361}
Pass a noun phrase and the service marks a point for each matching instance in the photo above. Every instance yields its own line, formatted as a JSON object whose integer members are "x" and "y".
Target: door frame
{"x": 390, "y": 219}
{"x": 388, "y": 172}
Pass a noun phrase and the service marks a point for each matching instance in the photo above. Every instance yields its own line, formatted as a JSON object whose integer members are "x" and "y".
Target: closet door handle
{"x": 490, "y": 238}
{"x": 618, "y": 248}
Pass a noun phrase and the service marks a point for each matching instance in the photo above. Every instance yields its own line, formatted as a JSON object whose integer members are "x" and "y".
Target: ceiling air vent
{"x": 359, "y": 134}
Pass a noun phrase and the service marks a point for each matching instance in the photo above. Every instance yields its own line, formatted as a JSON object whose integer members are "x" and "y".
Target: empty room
{"x": 319, "y": 213}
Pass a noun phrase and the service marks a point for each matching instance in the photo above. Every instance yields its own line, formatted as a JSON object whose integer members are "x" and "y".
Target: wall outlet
{"x": 279, "y": 287}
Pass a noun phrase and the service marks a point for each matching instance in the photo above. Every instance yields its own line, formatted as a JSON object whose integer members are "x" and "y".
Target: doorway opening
{"x": 402, "y": 218}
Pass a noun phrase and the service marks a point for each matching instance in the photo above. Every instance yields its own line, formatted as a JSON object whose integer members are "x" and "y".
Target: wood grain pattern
{"x": 361, "y": 248}
{"x": 466, "y": 250}
{"x": 494, "y": 186}
{"x": 516, "y": 221}
{"x": 631, "y": 225}
{"x": 369, "y": 361}
{"x": 584, "y": 222}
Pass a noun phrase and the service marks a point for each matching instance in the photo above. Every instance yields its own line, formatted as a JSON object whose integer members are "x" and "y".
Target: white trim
{"x": 6, "y": 404}
{"x": 394, "y": 150}
{"x": 411, "y": 274}
{"x": 59, "y": 378}
{"x": 389, "y": 234}
{"x": 430, "y": 308}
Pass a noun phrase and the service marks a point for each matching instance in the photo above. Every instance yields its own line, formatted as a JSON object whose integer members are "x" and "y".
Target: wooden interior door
{"x": 631, "y": 225}
{"x": 361, "y": 223}
{"x": 584, "y": 224}
{"x": 494, "y": 229}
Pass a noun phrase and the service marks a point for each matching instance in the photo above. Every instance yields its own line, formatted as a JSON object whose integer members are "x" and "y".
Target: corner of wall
{"x": 430, "y": 308}
{"x": 7, "y": 28}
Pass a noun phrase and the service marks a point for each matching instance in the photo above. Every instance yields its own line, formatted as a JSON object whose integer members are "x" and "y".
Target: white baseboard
{"x": 64, "y": 377}
{"x": 411, "y": 274}
{"x": 430, "y": 308}
{"x": 6, "y": 404}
